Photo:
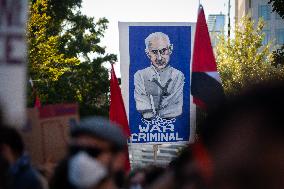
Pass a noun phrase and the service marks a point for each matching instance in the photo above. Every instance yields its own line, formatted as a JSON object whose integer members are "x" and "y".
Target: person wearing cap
{"x": 159, "y": 87}
{"x": 95, "y": 157}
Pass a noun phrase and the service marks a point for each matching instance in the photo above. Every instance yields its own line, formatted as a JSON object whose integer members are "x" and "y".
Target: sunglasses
{"x": 92, "y": 151}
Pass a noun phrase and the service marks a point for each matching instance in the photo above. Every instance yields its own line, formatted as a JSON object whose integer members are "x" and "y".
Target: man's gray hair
{"x": 156, "y": 35}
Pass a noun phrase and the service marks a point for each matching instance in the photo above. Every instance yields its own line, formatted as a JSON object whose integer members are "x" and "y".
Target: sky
{"x": 148, "y": 11}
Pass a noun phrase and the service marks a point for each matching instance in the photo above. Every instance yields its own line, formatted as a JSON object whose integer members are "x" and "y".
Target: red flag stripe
{"x": 203, "y": 57}
{"x": 37, "y": 102}
{"x": 199, "y": 103}
{"x": 117, "y": 113}
{"x": 206, "y": 87}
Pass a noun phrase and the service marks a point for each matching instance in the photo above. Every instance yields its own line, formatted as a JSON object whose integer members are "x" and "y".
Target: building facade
{"x": 274, "y": 24}
{"x": 216, "y": 24}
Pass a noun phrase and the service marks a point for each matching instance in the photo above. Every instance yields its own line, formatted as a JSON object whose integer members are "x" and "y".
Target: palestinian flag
{"x": 117, "y": 113}
{"x": 206, "y": 87}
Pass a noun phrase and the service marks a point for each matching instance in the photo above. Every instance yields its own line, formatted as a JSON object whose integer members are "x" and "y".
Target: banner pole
{"x": 154, "y": 153}
{"x": 155, "y": 149}
{"x": 131, "y": 148}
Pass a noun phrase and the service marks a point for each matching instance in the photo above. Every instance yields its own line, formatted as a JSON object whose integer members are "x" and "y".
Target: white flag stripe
{"x": 214, "y": 75}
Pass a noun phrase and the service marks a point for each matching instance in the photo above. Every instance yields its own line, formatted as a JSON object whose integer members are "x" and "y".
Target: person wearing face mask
{"x": 159, "y": 87}
{"x": 95, "y": 159}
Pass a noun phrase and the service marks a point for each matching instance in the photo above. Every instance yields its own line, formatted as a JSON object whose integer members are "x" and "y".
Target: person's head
{"x": 145, "y": 177}
{"x": 136, "y": 179}
{"x": 152, "y": 174}
{"x": 245, "y": 139}
{"x": 96, "y": 147}
{"x": 11, "y": 144}
{"x": 186, "y": 170}
{"x": 158, "y": 49}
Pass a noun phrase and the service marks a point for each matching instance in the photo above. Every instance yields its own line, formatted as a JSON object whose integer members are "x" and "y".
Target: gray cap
{"x": 102, "y": 128}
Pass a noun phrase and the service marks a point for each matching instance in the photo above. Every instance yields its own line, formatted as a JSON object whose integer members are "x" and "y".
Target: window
{"x": 264, "y": 11}
{"x": 249, "y": 2}
{"x": 280, "y": 36}
{"x": 266, "y": 37}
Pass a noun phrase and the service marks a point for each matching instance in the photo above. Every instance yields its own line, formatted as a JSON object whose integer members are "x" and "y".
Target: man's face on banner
{"x": 159, "y": 52}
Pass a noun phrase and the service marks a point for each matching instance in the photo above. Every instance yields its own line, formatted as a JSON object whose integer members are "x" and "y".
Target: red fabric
{"x": 203, "y": 161}
{"x": 37, "y": 102}
{"x": 199, "y": 103}
{"x": 117, "y": 113}
{"x": 205, "y": 89}
{"x": 203, "y": 57}
{"x": 54, "y": 110}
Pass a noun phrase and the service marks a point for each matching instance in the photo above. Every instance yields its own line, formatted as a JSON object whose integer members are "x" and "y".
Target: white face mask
{"x": 85, "y": 171}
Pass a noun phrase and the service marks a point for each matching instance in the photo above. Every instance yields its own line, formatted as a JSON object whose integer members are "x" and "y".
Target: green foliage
{"x": 75, "y": 37}
{"x": 46, "y": 63}
{"x": 244, "y": 60}
{"x": 45, "y": 60}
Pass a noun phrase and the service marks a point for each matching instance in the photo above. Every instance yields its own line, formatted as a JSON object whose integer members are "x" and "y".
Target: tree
{"x": 278, "y": 6}
{"x": 244, "y": 60}
{"x": 46, "y": 63}
{"x": 278, "y": 56}
{"x": 79, "y": 36}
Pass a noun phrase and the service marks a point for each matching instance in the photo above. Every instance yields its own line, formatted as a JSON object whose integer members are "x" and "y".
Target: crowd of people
{"x": 240, "y": 145}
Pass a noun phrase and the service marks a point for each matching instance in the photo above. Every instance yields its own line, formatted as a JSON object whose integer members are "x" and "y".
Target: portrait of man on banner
{"x": 159, "y": 87}
{"x": 159, "y": 74}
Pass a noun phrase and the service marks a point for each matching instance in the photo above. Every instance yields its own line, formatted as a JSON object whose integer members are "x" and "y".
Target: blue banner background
{"x": 180, "y": 37}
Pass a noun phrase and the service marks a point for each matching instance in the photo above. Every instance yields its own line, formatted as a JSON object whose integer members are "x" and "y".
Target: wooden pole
{"x": 155, "y": 149}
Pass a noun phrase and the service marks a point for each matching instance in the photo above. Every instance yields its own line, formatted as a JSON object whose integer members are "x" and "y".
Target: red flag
{"x": 117, "y": 113}
{"x": 37, "y": 102}
{"x": 206, "y": 87}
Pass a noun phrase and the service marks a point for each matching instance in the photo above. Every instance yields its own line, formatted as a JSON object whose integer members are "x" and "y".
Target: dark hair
{"x": 265, "y": 101}
{"x": 185, "y": 170}
{"x": 12, "y": 138}
{"x": 59, "y": 178}
{"x": 5, "y": 177}
{"x": 153, "y": 173}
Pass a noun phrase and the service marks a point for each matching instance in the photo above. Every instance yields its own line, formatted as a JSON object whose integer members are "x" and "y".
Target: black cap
{"x": 101, "y": 128}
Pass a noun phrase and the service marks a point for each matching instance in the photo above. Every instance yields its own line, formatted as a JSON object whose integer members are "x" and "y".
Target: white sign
{"x": 13, "y": 17}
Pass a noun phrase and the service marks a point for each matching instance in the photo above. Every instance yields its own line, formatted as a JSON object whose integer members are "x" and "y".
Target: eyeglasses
{"x": 162, "y": 51}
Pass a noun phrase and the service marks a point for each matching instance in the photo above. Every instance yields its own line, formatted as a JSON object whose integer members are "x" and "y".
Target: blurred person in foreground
{"x": 95, "y": 159}
{"x": 185, "y": 172}
{"x": 142, "y": 178}
{"x": 5, "y": 177}
{"x": 20, "y": 172}
{"x": 152, "y": 174}
{"x": 245, "y": 140}
{"x": 136, "y": 179}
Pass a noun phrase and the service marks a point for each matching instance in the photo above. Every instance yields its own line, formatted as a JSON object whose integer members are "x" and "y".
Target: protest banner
{"x": 46, "y": 133}
{"x": 155, "y": 73}
{"x": 13, "y": 20}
